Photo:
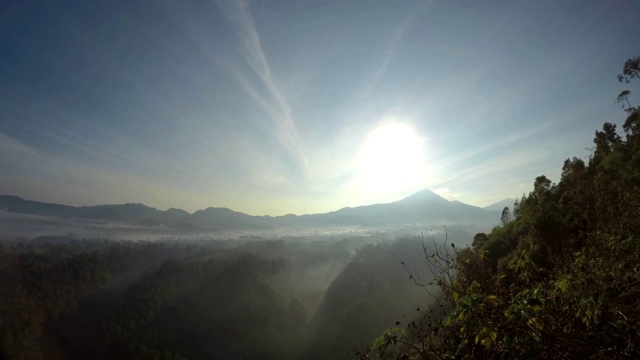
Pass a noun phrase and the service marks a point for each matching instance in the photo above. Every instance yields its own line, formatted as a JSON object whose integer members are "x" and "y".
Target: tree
{"x": 623, "y": 98}
{"x": 479, "y": 239}
{"x": 506, "y": 216}
{"x": 630, "y": 70}
{"x": 565, "y": 285}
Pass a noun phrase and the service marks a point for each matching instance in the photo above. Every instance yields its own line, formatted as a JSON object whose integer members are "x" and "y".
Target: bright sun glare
{"x": 391, "y": 159}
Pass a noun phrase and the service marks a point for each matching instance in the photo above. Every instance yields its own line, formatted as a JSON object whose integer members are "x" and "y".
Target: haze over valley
{"x": 423, "y": 211}
{"x": 286, "y": 279}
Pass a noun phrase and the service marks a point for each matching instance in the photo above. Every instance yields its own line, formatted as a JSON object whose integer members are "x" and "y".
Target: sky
{"x": 275, "y": 107}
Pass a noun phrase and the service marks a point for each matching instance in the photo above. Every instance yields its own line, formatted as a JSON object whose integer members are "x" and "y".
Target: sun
{"x": 391, "y": 159}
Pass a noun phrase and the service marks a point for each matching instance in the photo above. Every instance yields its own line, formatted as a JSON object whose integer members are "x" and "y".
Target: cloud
{"x": 274, "y": 102}
{"x": 392, "y": 48}
{"x": 14, "y": 155}
{"x": 491, "y": 146}
{"x": 46, "y": 125}
{"x": 45, "y": 176}
{"x": 386, "y": 59}
{"x": 447, "y": 193}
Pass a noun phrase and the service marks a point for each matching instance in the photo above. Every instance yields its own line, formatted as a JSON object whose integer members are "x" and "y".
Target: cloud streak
{"x": 48, "y": 127}
{"x": 44, "y": 176}
{"x": 388, "y": 55}
{"x": 275, "y": 103}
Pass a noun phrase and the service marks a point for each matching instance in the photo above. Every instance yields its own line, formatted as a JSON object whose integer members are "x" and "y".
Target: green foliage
{"x": 103, "y": 299}
{"x": 479, "y": 239}
{"x": 388, "y": 338}
{"x": 561, "y": 280}
{"x": 370, "y": 293}
{"x": 36, "y": 290}
{"x": 506, "y": 216}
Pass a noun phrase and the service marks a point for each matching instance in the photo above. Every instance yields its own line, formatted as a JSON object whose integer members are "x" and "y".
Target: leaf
{"x": 533, "y": 322}
{"x": 492, "y": 298}
{"x": 388, "y": 337}
{"x": 562, "y": 284}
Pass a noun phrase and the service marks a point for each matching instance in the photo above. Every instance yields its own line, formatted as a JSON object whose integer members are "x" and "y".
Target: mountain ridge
{"x": 499, "y": 205}
{"x": 422, "y": 207}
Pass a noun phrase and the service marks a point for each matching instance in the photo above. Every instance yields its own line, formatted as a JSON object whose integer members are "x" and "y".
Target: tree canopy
{"x": 560, "y": 280}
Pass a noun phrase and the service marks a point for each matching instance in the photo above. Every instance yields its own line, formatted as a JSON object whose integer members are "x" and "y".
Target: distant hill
{"x": 499, "y": 206}
{"x": 423, "y": 207}
{"x": 124, "y": 212}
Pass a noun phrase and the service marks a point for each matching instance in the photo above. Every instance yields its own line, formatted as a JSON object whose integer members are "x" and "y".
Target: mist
{"x": 315, "y": 296}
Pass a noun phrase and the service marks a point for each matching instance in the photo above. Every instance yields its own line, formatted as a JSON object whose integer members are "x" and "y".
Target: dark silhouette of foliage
{"x": 559, "y": 281}
{"x": 193, "y": 299}
{"x": 479, "y": 239}
{"x": 505, "y": 218}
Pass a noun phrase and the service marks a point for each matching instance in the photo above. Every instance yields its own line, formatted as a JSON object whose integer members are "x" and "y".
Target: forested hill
{"x": 559, "y": 278}
{"x": 191, "y": 299}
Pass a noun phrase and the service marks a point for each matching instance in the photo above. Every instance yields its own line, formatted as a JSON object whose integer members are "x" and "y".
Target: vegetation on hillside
{"x": 191, "y": 299}
{"x": 559, "y": 278}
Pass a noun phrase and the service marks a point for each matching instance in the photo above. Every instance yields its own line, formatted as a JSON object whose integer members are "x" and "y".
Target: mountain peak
{"x": 176, "y": 211}
{"x": 216, "y": 211}
{"x": 422, "y": 196}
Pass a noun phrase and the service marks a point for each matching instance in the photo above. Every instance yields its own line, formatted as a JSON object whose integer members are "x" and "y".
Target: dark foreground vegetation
{"x": 194, "y": 299}
{"x": 559, "y": 279}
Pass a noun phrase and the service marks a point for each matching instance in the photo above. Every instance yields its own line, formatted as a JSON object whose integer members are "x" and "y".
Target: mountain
{"x": 499, "y": 206}
{"x": 424, "y": 207}
{"x": 19, "y": 205}
{"x": 124, "y": 212}
{"x": 226, "y": 219}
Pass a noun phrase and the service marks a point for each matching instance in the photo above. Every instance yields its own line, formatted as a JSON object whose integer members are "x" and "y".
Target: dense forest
{"x": 559, "y": 278}
{"x": 291, "y": 298}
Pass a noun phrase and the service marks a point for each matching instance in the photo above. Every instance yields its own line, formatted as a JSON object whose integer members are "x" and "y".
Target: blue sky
{"x": 275, "y": 107}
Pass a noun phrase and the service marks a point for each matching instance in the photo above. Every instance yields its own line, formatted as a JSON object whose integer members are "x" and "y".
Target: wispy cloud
{"x": 274, "y": 102}
{"x": 44, "y": 176}
{"x": 44, "y": 119}
{"x": 48, "y": 127}
{"x": 447, "y": 193}
{"x": 491, "y": 146}
{"x": 388, "y": 55}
